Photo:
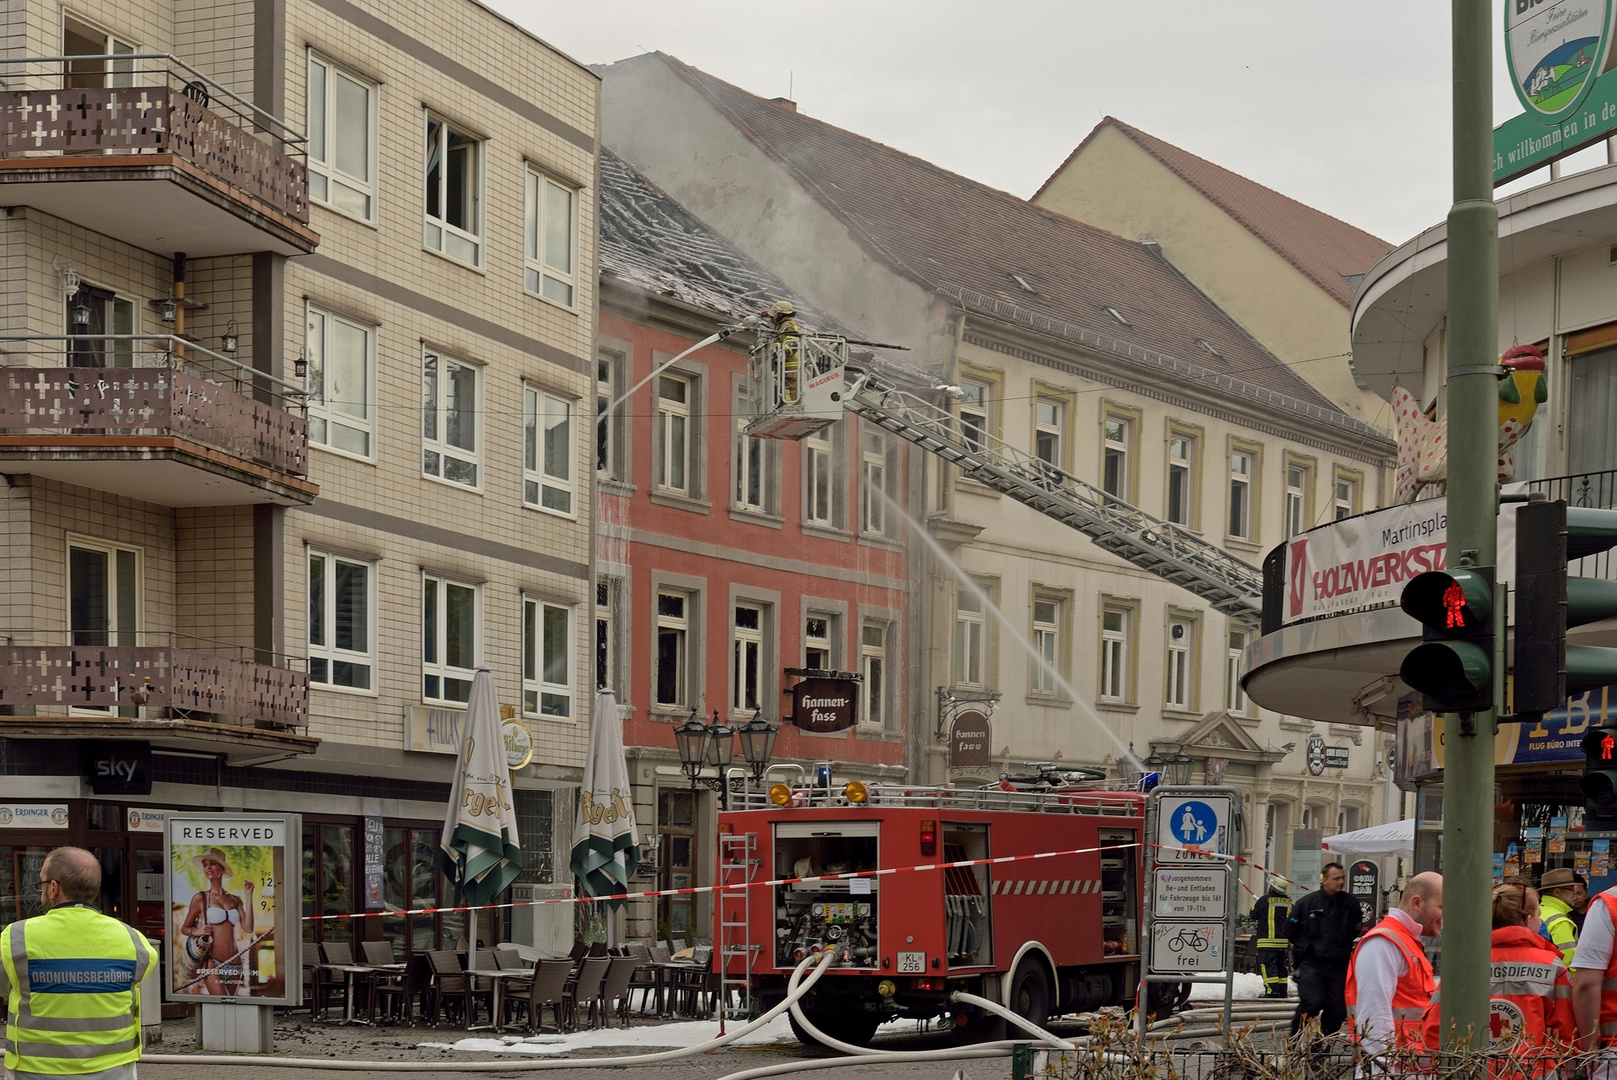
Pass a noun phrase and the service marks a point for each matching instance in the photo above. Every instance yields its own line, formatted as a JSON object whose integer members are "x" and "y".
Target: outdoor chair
{"x": 341, "y": 954}
{"x": 321, "y": 986}
{"x": 412, "y": 987}
{"x": 547, "y": 987}
{"x": 644, "y": 976}
{"x": 380, "y": 954}
{"x": 585, "y": 991}
{"x": 449, "y": 985}
{"x": 508, "y": 960}
{"x": 691, "y": 987}
{"x": 615, "y": 989}
{"x": 579, "y": 949}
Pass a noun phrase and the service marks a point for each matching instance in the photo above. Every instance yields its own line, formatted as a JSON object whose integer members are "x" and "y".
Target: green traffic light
{"x": 1454, "y": 673}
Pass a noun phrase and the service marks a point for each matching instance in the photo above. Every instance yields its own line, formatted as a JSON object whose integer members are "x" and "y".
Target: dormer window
{"x": 1022, "y": 283}
{"x": 1118, "y": 315}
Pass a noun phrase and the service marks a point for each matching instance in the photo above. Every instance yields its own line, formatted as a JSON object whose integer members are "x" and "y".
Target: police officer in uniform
{"x": 1272, "y": 913}
{"x": 1324, "y": 926}
{"x": 71, "y": 978}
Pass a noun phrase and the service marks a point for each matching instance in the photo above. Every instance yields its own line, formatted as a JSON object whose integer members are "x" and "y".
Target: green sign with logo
{"x": 1558, "y": 54}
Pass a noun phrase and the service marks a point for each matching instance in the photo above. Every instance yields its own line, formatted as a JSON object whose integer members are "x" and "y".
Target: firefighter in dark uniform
{"x": 1272, "y": 913}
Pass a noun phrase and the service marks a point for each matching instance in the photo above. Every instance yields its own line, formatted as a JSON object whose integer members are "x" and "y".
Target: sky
{"x": 1341, "y": 106}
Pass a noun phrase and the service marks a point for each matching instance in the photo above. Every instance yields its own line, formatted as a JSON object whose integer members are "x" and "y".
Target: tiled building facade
{"x": 380, "y": 271}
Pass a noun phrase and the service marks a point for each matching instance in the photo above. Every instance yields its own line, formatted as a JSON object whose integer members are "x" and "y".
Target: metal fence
{"x": 151, "y": 103}
{"x": 1596, "y": 490}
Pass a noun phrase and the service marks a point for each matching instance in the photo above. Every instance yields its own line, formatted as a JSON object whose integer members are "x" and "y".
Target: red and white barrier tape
{"x": 692, "y": 890}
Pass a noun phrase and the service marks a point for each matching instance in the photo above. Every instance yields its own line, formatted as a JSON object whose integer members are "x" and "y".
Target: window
{"x": 604, "y": 652}
{"x": 1347, "y": 498}
{"x": 750, "y": 487}
{"x": 342, "y": 139}
{"x": 968, "y": 638}
{"x": 1114, "y": 638}
{"x": 873, "y": 665}
{"x": 449, "y": 624}
{"x": 342, "y": 364}
{"x": 1047, "y": 432}
{"x": 454, "y": 193}
{"x": 674, "y": 433}
{"x": 1241, "y": 494}
{"x": 747, "y": 671}
{"x": 1181, "y": 645}
{"x": 103, "y": 593}
{"x": 817, "y": 642}
{"x": 547, "y": 659}
{"x": 81, "y": 39}
{"x": 550, "y": 252}
{"x": 672, "y": 631}
{"x": 1235, "y": 699}
{"x": 1181, "y": 479}
{"x": 974, "y": 402}
{"x": 605, "y": 391}
{"x": 818, "y": 506}
{"x": 874, "y": 480}
{"x": 1347, "y": 819}
{"x": 106, "y": 314}
{"x": 1298, "y": 478}
{"x": 1046, "y": 637}
{"x": 342, "y": 642}
{"x": 449, "y": 436}
{"x": 1115, "y": 457}
{"x": 547, "y": 451}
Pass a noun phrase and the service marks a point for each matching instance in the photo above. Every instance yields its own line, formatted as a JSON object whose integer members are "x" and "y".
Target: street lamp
{"x": 691, "y": 738}
{"x": 758, "y": 743}
{"x": 1179, "y": 768}
{"x": 1155, "y": 763}
{"x": 721, "y": 746}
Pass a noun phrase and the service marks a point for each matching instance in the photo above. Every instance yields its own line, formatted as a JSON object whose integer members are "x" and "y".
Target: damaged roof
{"x": 652, "y": 242}
{"x": 1326, "y": 250}
{"x": 989, "y": 251}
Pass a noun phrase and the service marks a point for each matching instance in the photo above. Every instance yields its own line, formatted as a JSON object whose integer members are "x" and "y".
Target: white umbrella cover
{"x": 606, "y": 844}
{"x": 1392, "y": 838}
{"x": 479, "y": 850}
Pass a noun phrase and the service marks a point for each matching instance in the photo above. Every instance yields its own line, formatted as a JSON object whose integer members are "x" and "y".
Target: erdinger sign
{"x": 825, "y": 704}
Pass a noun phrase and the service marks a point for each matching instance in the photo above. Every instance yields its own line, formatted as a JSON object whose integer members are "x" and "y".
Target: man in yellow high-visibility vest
{"x": 71, "y": 978}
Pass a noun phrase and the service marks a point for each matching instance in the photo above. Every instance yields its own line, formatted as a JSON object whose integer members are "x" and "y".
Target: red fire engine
{"x": 1042, "y": 936}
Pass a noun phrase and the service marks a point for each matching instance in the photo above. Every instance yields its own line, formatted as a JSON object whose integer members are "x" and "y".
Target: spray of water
{"x": 1010, "y": 628}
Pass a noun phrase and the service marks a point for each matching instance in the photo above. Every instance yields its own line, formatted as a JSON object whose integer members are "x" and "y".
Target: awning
{"x": 1393, "y": 838}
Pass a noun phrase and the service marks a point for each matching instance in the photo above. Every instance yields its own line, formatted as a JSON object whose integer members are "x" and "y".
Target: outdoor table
{"x": 349, "y": 971}
{"x": 665, "y": 973}
{"x": 497, "y": 1020}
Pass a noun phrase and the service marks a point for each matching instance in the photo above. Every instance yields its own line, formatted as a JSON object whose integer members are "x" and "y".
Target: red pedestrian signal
{"x": 1599, "y": 782}
{"x": 1607, "y": 744}
{"x": 1454, "y": 607}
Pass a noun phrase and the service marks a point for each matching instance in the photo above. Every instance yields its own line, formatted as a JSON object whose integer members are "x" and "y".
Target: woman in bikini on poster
{"x": 222, "y": 925}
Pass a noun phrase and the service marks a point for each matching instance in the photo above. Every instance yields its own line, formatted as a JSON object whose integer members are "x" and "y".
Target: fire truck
{"x": 1042, "y": 936}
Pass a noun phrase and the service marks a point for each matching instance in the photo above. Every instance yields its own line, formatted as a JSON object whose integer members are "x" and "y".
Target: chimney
{"x": 784, "y": 103}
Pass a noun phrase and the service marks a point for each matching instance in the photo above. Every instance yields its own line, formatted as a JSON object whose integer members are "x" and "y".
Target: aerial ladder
{"x": 801, "y": 383}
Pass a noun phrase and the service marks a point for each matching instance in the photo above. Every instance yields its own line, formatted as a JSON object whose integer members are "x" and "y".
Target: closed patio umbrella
{"x": 606, "y": 844}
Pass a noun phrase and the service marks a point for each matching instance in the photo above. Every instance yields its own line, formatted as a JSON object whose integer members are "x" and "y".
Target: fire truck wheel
{"x": 1030, "y": 991}
{"x": 856, "y": 1029}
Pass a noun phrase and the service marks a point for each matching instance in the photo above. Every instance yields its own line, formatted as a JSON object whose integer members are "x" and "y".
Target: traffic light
{"x": 1546, "y": 670}
{"x": 1599, "y": 783}
{"x": 1454, "y": 669}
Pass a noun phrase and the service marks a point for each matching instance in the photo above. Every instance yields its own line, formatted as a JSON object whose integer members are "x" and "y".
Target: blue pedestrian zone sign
{"x": 1188, "y": 827}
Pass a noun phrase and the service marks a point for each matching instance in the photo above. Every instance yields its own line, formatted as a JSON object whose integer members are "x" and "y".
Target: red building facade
{"x": 725, "y": 562}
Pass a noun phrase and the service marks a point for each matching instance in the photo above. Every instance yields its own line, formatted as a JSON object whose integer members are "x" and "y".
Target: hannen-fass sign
{"x": 825, "y": 704}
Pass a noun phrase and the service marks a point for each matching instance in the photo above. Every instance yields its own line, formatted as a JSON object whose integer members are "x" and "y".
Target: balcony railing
{"x": 1597, "y": 490}
{"x": 151, "y": 103}
{"x": 152, "y": 675}
{"x": 143, "y": 384}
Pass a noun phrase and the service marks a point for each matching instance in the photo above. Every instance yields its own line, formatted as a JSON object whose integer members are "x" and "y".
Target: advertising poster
{"x": 232, "y": 909}
{"x": 1513, "y": 860}
{"x": 1600, "y": 859}
{"x": 1557, "y": 836}
{"x": 1498, "y": 867}
{"x": 1533, "y": 845}
{"x": 1580, "y": 864}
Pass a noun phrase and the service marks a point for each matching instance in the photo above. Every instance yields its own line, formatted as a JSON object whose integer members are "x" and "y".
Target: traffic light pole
{"x": 1473, "y": 507}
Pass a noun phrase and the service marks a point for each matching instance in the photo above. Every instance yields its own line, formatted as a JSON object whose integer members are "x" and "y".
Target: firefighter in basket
{"x": 783, "y": 321}
{"x": 218, "y": 929}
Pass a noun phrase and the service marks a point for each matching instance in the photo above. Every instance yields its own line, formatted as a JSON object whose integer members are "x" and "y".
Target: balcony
{"x": 152, "y": 417}
{"x": 177, "y": 691}
{"x": 153, "y": 153}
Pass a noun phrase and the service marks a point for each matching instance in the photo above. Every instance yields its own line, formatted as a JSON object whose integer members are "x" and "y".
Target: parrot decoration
{"x": 1423, "y": 443}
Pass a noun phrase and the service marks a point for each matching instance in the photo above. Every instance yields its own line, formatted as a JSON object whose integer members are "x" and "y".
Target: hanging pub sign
{"x": 970, "y": 739}
{"x": 1316, "y": 754}
{"x": 825, "y": 704}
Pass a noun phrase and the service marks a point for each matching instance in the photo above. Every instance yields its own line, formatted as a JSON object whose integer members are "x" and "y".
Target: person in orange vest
{"x": 1390, "y": 981}
{"x": 1594, "y": 980}
{"x": 1531, "y": 1006}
